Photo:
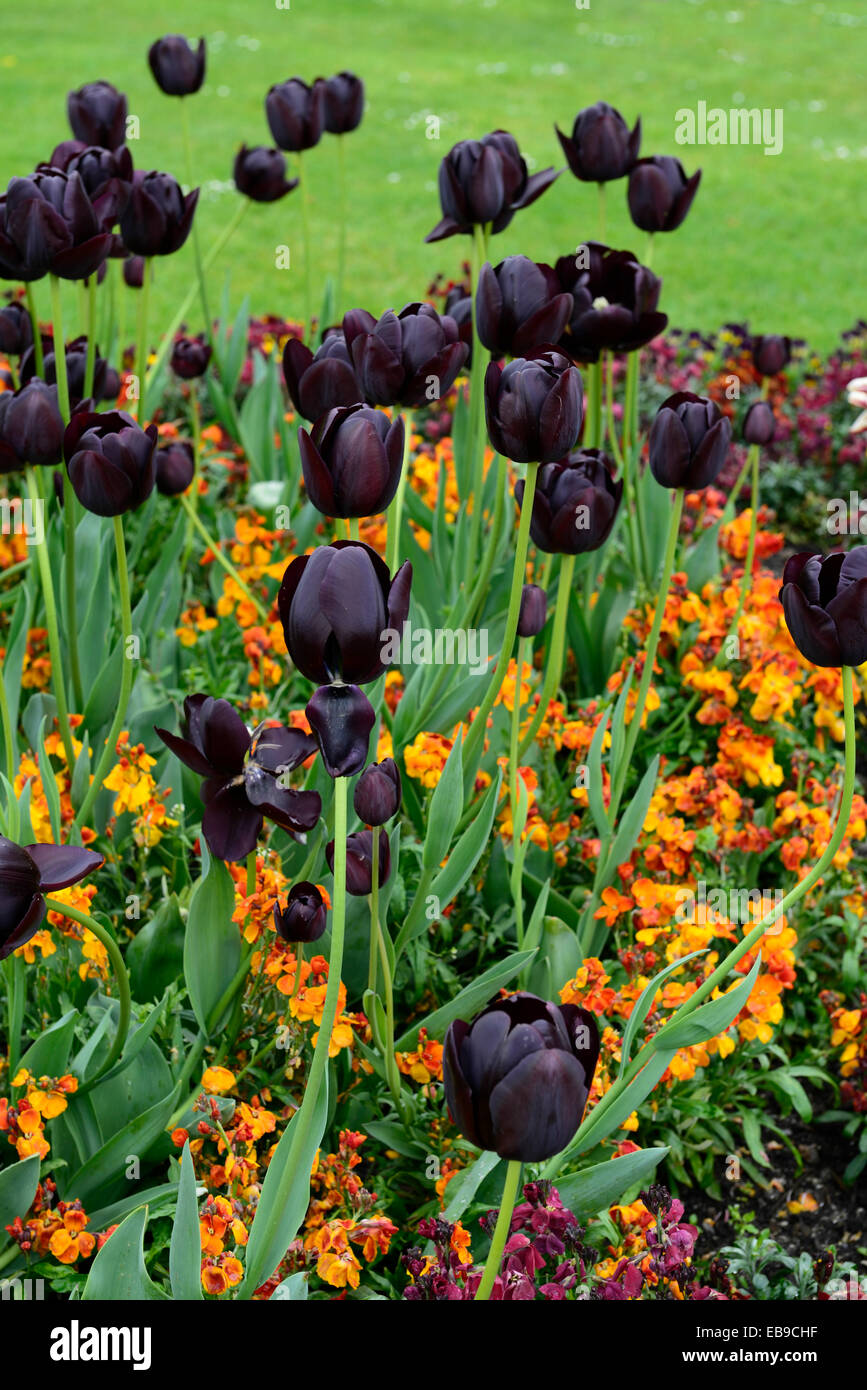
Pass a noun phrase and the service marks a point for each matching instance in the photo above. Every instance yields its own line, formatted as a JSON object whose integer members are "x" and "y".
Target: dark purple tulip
{"x": 175, "y": 468}
{"x": 157, "y": 218}
{"x": 759, "y": 423}
{"x": 689, "y": 441}
{"x": 602, "y": 146}
{"x": 243, "y": 775}
{"x": 26, "y": 875}
{"x": 296, "y": 113}
{"x": 344, "y": 103}
{"x": 614, "y": 302}
{"x": 660, "y": 194}
{"x": 518, "y": 1076}
{"x": 97, "y": 114}
{"x": 575, "y": 503}
{"x": 106, "y": 174}
{"x": 378, "y": 792}
{"x": 459, "y": 306}
{"x": 76, "y": 370}
{"x": 341, "y": 717}
{"x": 322, "y": 382}
{"x": 335, "y": 606}
{"x": 110, "y": 461}
{"x": 31, "y": 426}
{"x": 534, "y": 610}
{"x": 359, "y": 861}
{"x": 533, "y": 407}
{"x": 520, "y": 306}
{"x": 178, "y": 69}
{"x": 305, "y": 915}
{"x": 824, "y": 600}
{"x": 190, "y": 358}
{"x": 409, "y": 359}
{"x": 16, "y": 330}
{"x": 352, "y": 461}
{"x": 133, "y": 271}
{"x": 260, "y": 174}
{"x": 485, "y": 182}
{"x": 771, "y": 353}
{"x": 48, "y": 226}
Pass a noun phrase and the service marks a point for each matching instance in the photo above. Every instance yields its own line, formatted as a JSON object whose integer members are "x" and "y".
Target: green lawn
{"x": 779, "y": 240}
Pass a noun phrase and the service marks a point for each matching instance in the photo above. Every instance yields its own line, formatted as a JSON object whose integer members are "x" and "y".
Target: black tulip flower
{"x": 660, "y": 194}
{"x": 260, "y": 174}
{"x": 689, "y": 441}
{"x": 48, "y": 226}
{"x": 344, "y": 103}
{"x": 321, "y": 382}
{"x": 602, "y": 147}
{"x": 759, "y": 423}
{"x": 304, "y": 917}
{"x": 533, "y": 407}
{"x": 296, "y": 113}
{"x": 459, "y": 306}
{"x": 378, "y": 792}
{"x": 97, "y": 114}
{"x": 335, "y": 607}
{"x": 771, "y": 353}
{"x": 190, "y": 358}
{"x": 16, "y": 329}
{"x": 175, "y": 468}
{"x": 76, "y": 370}
{"x": 157, "y": 219}
{"x": 341, "y": 717}
{"x": 352, "y": 461}
{"x": 520, "y": 305}
{"x": 110, "y": 461}
{"x": 359, "y": 861}
{"x": 26, "y": 875}
{"x": 824, "y": 600}
{"x": 133, "y": 271}
{"x": 575, "y": 503}
{"x": 106, "y": 174}
{"x": 533, "y": 612}
{"x": 243, "y": 775}
{"x": 31, "y": 427}
{"x": 484, "y": 183}
{"x": 518, "y": 1076}
{"x": 178, "y": 69}
{"x": 614, "y": 302}
{"x": 409, "y": 359}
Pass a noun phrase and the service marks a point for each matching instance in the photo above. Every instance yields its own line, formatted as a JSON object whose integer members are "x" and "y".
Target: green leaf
{"x": 118, "y": 1273}
{"x": 594, "y": 777}
{"x": 185, "y": 1251}
{"x": 711, "y": 1019}
{"x": 212, "y": 946}
{"x": 468, "y": 1002}
{"x": 157, "y": 1199}
{"x": 631, "y": 822}
{"x": 629, "y": 1099}
{"x": 394, "y": 1137}
{"x": 293, "y": 1288}
{"x": 18, "y": 1185}
{"x": 789, "y": 1085}
{"x": 464, "y": 1187}
{"x": 644, "y": 1002}
{"x": 559, "y": 959}
{"x": 154, "y": 958}
{"x": 49, "y": 784}
{"x": 594, "y": 1189}
{"x": 753, "y": 1138}
{"x": 445, "y": 809}
{"x": 469, "y": 848}
{"x": 49, "y": 1055}
{"x": 107, "y": 1165}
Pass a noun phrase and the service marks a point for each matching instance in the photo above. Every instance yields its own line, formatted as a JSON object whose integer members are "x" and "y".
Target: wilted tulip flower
{"x": 485, "y": 182}
{"x": 321, "y": 382}
{"x": 190, "y": 358}
{"x": 110, "y": 461}
{"x": 409, "y": 359}
{"x": 76, "y": 369}
{"x": 575, "y": 503}
{"x": 97, "y": 114}
{"x": 689, "y": 440}
{"x": 26, "y": 875}
{"x": 305, "y": 915}
{"x": 352, "y": 461}
{"x": 614, "y": 302}
{"x": 359, "y": 861}
{"x": 518, "y": 1076}
{"x": 602, "y": 147}
{"x": 31, "y": 426}
{"x": 771, "y": 353}
{"x": 520, "y": 306}
{"x": 824, "y": 600}
{"x": 759, "y": 423}
{"x": 48, "y": 226}
{"x": 243, "y": 775}
{"x": 534, "y": 610}
{"x": 296, "y": 113}
{"x": 157, "y": 219}
{"x": 175, "y": 468}
{"x": 16, "y": 330}
{"x": 179, "y": 69}
{"x": 106, "y": 174}
{"x": 660, "y": 194}
{"x": 533, "y": 407}
{"x": 260, "y": 174}
{"x": 378, "y": 792}
{"x": 344, "y": 103}
{"x": 133, "y": 271}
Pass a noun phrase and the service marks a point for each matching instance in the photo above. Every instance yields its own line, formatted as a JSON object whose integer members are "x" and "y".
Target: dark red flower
{"x": 824, "y": 599}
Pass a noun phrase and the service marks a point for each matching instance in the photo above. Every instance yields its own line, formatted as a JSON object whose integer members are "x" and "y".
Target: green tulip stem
{"x": 747, "y": 578}
{"x": 298, "y": 948}
{"x": 503, "y": 1226}
{"x": 90, "y": 361}
{"x": 6, "y": 719}
{"x": 395, "y": 510}
{"x": 602, "y": 210}
{"x": 518, "y": 821}
{"x": 117, "y": 962}
{"x": 141, "y": 351}
{"x": 222, "y": 560}
{"x": 193, "y": 489}
{"x": 13, "y": 969}
{"x": 109, "y": 752}
{"x": 341, "y": 203}
{"x": 305, "y": 235}
{"x": 354, "y": 532}
{"x": 374, "y": 909}
{"x": 39, "y": 356}
{"x": 648, "y": 250}
{"x": 622, "y": 461}
{"x": 592, "y": 406}
{"x": 197, "y": 245}
{"x": 377, "y": 946}
{"x": 554, "y": 667}
{"x": 68, "y": 495}
{"x": 476, "y": 431}
{"x": 57, "y": 681}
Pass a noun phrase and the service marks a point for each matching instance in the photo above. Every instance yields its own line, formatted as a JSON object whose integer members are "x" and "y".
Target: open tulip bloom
{"x": 824, "y": 599}
{"x": 484, "y": 183}
{"x": 26, "y": 875}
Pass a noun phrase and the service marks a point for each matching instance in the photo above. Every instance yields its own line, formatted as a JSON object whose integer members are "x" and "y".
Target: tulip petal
{"x": 849, "y": 614}
{"x": 230, "y": 825}
{"x": 812, "y": 630}
{"x": 537, "y": 1107}
{"x": 62, "y": 865}
{"x": 342, "y": 717}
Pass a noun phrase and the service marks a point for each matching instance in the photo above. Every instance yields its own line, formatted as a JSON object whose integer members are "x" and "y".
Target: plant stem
{"x": 90, "y": 361}
{"x": 57, "y": 681}
{"x": 38, "y": 355}
{"x": 374, "y": 909}
{"x": 341, "y": 203}
{"x": 68, "y": 495}
{"x": 517, "y": 829}
{"x": 602, "y": 219}
{"x": 114, "y": 955}
{"x": 554, "y": 667}
{"x": 8, "y": 734}
{"x": 395, "y": 511}
{"x": 305, "y": 234}
{"x": 501, "y": 1230}
{"x": 141, "y": 351}
{"x": 476, "y": 432}
{"x": 193, "y": 489}
{"x": 747, "y": 579}
{"x": 197, "y": 248}
{"x": 221, "y": 559}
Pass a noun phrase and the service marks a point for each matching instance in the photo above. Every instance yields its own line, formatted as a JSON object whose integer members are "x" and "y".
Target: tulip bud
{"x": 97, "y": 114}
{"x": 533, "y": 407}
{"x": 689, "y": 441}
{"x": 296, "y": 113}
{"x": 614, "y": 302}
{"x": 352, "y": 461}
{"x": 76, "y": 370}
{"x": 759, "y": 423}
{"x": 341, "y": 717}
{"x": 771, "y": 353}
{"x": 305, "y": 915}
{"x": 575, "y": 503}
{"x": 175, "y": 468}
{"x": 344, "y": 103}
{"x": 110, "y": 461}
{"x": 660, "y": 195}
{"x": 534, "y": 611}
{"x": 320, "y": 383}
{"x": 824, "y": 600}
{"x": 178, "y": 69}
{"x": 359, "y": 861}
{"x": 16, "y": 330}
{"x": 520, "y": 306}
{"x": 133, "y": 271}
{"x": 377, "y": 793}
{"x": 157, "y": 219}
{"x": 260, "y": 174}
{"x": 409, "y": 359}
{"x": 485, "y": 182}
{"x": 48, "y": 225}
{"x": 602, "y": 147}
{"x": 190, "y": 358}
{"x": 31, "y": 426}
